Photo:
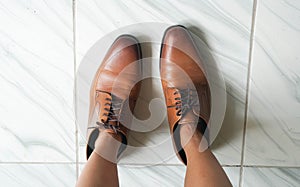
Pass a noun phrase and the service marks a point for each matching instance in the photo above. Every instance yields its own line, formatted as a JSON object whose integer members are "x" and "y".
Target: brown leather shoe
{"x": 185, "y": 86}
{"x": 114, "y": 91}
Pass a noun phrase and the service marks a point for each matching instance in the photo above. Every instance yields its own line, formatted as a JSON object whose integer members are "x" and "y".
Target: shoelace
{"x": 112, "y": 108}
{"x": 188, "y": 99}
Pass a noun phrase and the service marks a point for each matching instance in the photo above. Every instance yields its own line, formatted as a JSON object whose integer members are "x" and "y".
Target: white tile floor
{"x": 254, "y": 42}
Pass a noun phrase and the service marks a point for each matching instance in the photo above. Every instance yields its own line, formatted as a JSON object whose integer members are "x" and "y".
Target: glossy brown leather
{"x": 182, "y": 70}
{"x": 113, "y": 87}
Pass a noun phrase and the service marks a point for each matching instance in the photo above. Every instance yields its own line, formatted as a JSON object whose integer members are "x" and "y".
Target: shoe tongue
{"x": 114, "y": 123}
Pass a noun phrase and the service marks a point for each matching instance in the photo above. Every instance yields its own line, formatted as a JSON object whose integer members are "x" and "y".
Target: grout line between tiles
{"x": 62, "y": 163}
{"x": 253, "y": 22}
{"x": 162, "y": 164}
{"x": 280, "y": 167}
{"x": 131, "y": 164}
{"x": 75, "y": 85}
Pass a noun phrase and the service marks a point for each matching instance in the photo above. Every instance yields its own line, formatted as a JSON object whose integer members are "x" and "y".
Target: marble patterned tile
{"x": 223, "y": 26}
{"x": 275, "y": 177}
{"x": 161, "y": 175}
{"x": 227, "y": 146}
{"x": 36, "y": 81}
{"x": 58, "y": 175}
{"x": 272, "y": 136}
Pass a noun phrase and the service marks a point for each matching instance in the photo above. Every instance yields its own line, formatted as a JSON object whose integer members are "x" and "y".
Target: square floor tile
{"x": 31, "y": 175}
{"x": 223, "y": 26}
{"x": 275, "y": 177}
{"x": 36, "y": 81}
{"x": 272, "y": 136}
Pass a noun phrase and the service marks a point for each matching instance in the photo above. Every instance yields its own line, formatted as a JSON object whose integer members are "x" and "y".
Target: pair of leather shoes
{"x": 115, "y": 88}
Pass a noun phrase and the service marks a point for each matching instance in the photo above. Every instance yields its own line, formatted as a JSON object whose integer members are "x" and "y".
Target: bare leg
{"x": 203, "y": 169}
{"x": 99, "y": 171}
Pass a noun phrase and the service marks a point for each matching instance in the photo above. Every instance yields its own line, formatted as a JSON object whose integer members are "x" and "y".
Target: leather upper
{"x": 183, "y": 80}
{"x": 181, "y": 69}
{"x": 114, "y": 90}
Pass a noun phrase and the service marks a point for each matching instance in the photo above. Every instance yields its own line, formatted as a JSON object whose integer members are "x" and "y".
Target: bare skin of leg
{"x": 98, "y": 171}
{"x": 203, "y": 169}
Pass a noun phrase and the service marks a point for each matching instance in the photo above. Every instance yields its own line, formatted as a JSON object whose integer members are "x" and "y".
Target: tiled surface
{"x": 162, "y": 175}
{"x": 274, "y": 106}
{"x": 58, "y": 175}
{"x": 37, "y": 125}
{"x": 36, "y": 82}
{"x": 214, "y": 18}
{"x": 275, "y": 177}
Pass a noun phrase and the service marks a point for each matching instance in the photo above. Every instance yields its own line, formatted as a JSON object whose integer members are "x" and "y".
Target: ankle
{"x": 108, "y": 143}
{"x": 192, "y": 140}
{"x": 189, "y": 136}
